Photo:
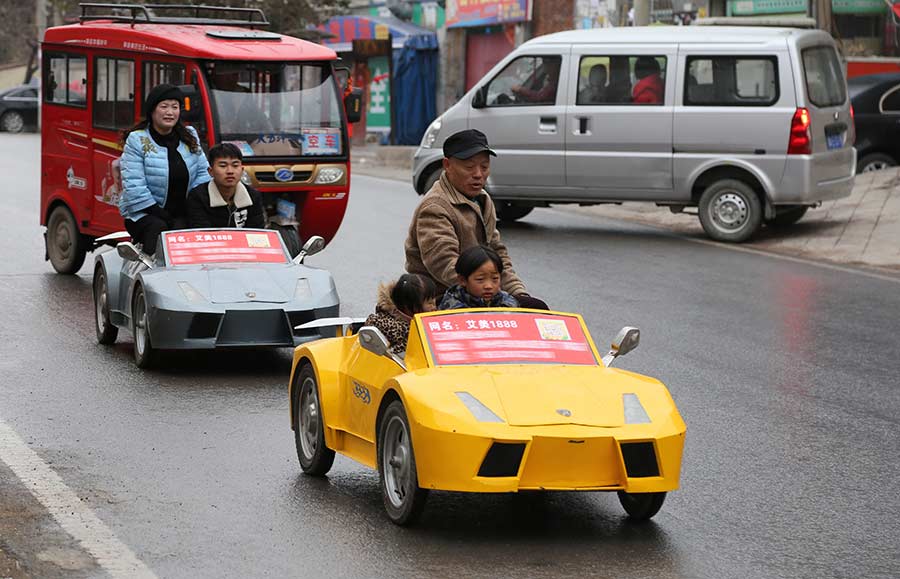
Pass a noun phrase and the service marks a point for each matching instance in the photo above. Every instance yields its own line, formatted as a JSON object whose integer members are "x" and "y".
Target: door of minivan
{"x": 521, "y": 109}
{"x": 619, "y": 121}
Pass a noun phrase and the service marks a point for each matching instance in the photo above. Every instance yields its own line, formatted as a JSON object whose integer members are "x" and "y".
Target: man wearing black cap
{"x": 457, "y": 214}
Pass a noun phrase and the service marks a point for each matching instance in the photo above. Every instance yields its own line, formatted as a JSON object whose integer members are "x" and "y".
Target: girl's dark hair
{"x": 184, "y": 135}
{"x": 471, "y": 259}
{"x": 411, "y": 291}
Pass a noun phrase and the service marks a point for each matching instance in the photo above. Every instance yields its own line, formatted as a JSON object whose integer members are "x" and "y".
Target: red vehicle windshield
{"x": 276, "y": 109}
{"x": 205, "y": 246}
{"x": 502, "y": 337}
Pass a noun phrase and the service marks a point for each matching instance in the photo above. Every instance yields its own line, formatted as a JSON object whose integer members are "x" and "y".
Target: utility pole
{"x": 821, "y": 11}
{"x": 641, "y": 12}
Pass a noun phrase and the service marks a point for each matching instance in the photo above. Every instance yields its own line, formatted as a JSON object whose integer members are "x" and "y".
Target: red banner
{"x": 503, "y": 337}
{"x": 222, "y": 246}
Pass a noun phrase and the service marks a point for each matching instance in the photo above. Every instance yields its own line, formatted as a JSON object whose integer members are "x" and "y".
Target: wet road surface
{"x": 786, "y": 374}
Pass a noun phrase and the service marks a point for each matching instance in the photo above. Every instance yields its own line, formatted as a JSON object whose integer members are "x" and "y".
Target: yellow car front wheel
{"x": 641, "y": 506}
{"x": 403, "y": 499}
{"x": 309, "y": 430}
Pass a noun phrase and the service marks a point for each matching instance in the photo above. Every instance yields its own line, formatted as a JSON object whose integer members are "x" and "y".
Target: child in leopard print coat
{"x": 398, "y": 302}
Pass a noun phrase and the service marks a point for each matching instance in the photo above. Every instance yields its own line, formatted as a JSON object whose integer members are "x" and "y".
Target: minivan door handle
{"x": 547, "y": 126}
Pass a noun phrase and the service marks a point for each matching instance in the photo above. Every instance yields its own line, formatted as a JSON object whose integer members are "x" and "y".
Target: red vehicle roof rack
{"x": 185, "y": 14}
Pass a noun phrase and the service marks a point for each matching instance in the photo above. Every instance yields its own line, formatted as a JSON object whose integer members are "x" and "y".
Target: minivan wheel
{"x": 13, "y": 122}
{"x": 431, "y": 179}
{"x": 508, "y": 212}
{"x": 730, "y": 210}
{"x": 875, "y": 162}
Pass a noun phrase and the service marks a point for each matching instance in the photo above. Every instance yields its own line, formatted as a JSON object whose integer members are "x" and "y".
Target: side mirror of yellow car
{"x": 626, "y": 341}
{"x": 371, "y": 339}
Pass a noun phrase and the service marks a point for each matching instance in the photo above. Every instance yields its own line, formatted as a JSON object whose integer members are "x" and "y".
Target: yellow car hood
{"x": 548, "y": 395}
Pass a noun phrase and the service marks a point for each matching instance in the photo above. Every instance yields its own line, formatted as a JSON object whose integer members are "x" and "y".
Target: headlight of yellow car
{"x": 481, "y": 412}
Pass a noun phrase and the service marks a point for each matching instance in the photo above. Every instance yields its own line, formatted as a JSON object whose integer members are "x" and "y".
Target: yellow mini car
{"x": 486, "y": 400}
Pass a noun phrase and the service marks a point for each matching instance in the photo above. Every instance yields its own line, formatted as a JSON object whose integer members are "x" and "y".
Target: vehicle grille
{"x": 255, "y": 328}
{"x": 640, "y": 459}
{"x": 503, "y": 459}
{"x": 269, "y": 177}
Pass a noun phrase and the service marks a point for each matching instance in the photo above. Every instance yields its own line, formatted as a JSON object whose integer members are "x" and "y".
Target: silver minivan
{"x": 748, "y": 125}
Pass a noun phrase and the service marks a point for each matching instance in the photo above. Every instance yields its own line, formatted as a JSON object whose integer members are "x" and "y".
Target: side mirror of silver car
{"x": 371, "y": 339}
{"x": 129, "y": 252}
{"x": 313, "y": 245}
{"x": 626, "y": 341}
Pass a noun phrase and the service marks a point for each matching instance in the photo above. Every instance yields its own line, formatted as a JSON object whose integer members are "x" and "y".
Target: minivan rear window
{"x": 824, "y": 79}
{"x": 728, "y": 81}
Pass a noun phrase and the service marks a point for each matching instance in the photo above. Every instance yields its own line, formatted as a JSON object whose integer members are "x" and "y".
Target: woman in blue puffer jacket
{"x": 161, "y": 162}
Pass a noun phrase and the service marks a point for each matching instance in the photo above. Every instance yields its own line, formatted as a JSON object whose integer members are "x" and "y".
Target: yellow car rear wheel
{"x": 309, "y": 430}
{"x": 641, "y": 506}
{"x": 403, "y": 499}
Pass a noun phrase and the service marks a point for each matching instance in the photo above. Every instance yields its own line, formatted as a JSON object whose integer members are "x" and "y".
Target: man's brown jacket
{"x": 445, "y": 224}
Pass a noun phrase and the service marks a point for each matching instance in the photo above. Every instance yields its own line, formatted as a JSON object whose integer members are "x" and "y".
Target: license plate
{"x": 835, "y": 141}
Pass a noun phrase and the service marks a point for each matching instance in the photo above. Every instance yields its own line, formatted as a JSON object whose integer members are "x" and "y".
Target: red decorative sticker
{"x": 507, "y": 338}
{"x": 222, "y": 246}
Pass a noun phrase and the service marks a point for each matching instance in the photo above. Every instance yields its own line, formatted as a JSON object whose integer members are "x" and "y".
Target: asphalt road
{"x": 785, "y": 372}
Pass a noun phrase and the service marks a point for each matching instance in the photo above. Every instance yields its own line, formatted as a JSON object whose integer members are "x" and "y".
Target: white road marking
{"x": 80, "y": 522}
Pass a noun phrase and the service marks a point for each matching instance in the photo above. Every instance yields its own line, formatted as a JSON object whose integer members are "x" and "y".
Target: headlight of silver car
{"x": 431, "y": 134}
{"x": 190, "y": 294}
{"x": 329, "y": 175}
{"x": 481, "y": 412}
{"x": 302, "y": 291}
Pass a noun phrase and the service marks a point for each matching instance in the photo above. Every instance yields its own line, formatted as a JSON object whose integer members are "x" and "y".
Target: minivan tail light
{"x": 800, "y": 140}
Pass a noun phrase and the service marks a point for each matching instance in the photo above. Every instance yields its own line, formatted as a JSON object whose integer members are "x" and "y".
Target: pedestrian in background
{"x": 161, "y": 162}
{"x": 456, "y": 214}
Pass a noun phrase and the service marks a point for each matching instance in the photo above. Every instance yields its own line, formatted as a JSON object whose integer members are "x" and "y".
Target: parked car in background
{"x": 19, "y": 108}
{"x": 750, "y": 125}
{"x": 876, "y": 105}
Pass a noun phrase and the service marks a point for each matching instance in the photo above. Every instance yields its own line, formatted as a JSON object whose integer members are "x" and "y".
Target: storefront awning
{"x": 346, "y": 29}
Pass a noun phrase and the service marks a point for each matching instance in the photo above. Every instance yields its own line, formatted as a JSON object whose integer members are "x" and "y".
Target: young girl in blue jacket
{"x": 161, "y": 162}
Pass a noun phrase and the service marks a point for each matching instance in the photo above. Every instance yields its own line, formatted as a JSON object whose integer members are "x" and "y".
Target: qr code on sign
{"x": 553, "y": 330}
{"x": 258, "y": 240}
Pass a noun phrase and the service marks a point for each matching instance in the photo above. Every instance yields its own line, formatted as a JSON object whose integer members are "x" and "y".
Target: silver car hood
{"x": 244, "y": 284}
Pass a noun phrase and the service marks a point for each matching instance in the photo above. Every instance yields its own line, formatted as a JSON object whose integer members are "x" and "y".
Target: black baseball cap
{"x": 466, "y": 144}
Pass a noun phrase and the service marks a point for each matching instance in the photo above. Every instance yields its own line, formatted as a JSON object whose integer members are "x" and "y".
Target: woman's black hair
{"x": 184, "y": 135}
{"x": 411, "y": 291}
{"x": 471, "y": 259}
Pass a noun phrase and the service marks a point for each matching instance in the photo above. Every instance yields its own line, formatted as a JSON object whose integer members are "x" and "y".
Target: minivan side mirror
{"x": 479, "y": 100}
{"x": 313, "y": 245}
{"x": 626, "y": 341}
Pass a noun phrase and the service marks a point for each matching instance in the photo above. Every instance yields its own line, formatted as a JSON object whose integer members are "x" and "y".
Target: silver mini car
{"x": 210, "y": 288}
{"x": 749, "y": 125}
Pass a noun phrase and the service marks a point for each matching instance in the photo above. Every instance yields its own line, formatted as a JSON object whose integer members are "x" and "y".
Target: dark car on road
{"x": 18, "y": 108}
{"x": 876, "y": 104}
